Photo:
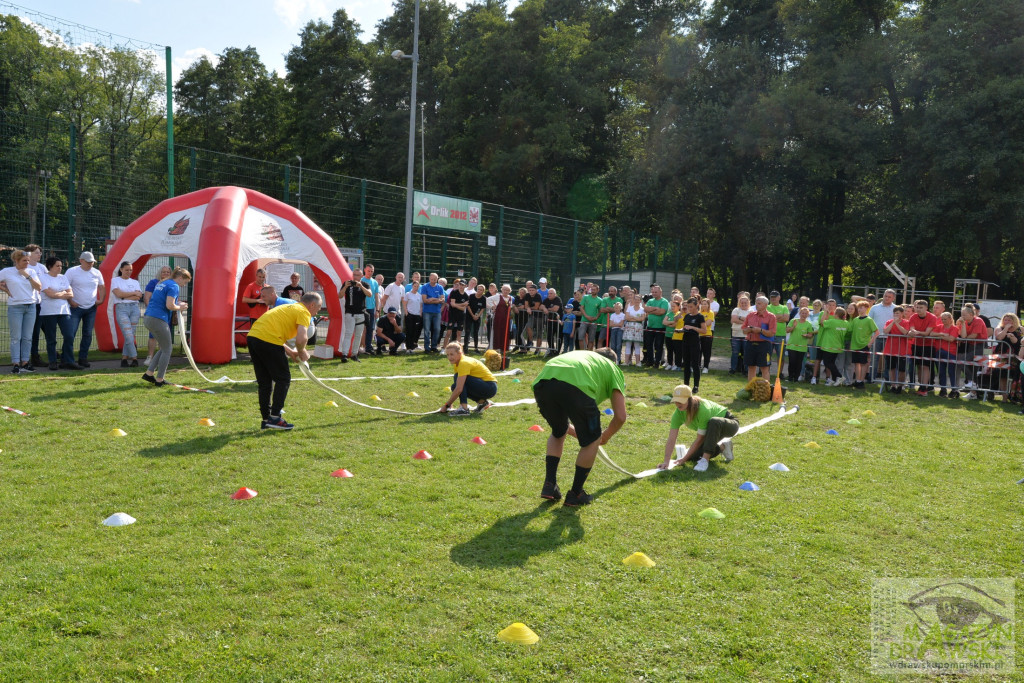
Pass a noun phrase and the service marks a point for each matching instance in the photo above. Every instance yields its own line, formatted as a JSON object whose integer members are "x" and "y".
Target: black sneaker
{"x": 28, "y": 368}
{"x": 954, "y": 394}
{"x": 355, "y": 359}
{"x": 16, "y": 370}
{"x": 53, "y": 366}
{"x": 133, "y": 363}
{"x": 278, "y": 423}
{"x": 942, "y": 393}
{"x": 84, "y": 364}
{"x": 482, "y": 406}
{"x": 124, "y": 362}
{"x": 551, "y": 491}
{"x": 344, "y": 359}
{"x": 149, "y": 378}
{"x": 577, "y": 499}
{"x": 159, "y": 383}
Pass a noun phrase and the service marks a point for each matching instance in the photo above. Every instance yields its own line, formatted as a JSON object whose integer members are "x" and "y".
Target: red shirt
{"x": 948, "y": 346}
{"x": 755, "y": 319}
{"x": 978, "y": 327}
{"x": 928, "y": 322}
{"x": 897, "y": 343}
{"x": 253, "y": 292}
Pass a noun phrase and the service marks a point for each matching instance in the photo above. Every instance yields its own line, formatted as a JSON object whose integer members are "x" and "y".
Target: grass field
{"x": 408, "y": 570}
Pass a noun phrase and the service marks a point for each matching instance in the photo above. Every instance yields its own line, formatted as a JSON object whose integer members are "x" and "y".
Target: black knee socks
{"x": 551, "y": 462}
{"x": 579, "y": 479}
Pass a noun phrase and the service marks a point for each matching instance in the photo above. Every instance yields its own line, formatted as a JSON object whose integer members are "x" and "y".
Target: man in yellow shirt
{"x": 473, "y": 380}
{"x": 269, "y": 351}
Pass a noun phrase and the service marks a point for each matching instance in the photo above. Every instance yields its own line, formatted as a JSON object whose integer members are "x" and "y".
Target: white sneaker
{"x": 726, "y": 446}
{"x": 704, "y": 371}
{"x": 973, "y": 396}
{"x": 814, "y": 380}
{"x": 149, "y": 359}
{"x": 701, "y": 466}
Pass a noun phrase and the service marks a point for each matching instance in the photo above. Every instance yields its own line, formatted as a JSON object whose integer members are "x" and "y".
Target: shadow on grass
{"x": 89, "y": 391}
{"x": 685, "y": 473}
{"x": 200, "y": 445}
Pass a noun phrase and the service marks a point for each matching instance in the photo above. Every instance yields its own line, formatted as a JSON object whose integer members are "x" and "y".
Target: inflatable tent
{"x": 224, "y": 232}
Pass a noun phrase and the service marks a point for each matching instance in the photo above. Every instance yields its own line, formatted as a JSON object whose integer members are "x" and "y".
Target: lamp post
{"x": 298, "y": 195}
{"x": 45, "y": 175}
{"x": 415, "y": 57}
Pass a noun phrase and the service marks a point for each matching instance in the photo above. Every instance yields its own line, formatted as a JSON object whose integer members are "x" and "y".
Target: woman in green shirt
{"x": 714, "y": 424}
{"x": 800, "y": 331}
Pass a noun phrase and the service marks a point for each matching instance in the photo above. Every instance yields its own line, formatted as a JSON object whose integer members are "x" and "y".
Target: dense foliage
{"x": 789, "y": 143}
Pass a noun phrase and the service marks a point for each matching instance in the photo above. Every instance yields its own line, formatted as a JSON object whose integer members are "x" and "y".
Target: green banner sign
{"x": 450, "y": 213}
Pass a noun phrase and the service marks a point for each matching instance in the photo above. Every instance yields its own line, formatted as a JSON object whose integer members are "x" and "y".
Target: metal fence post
{"x": 362, "y": 216}
{"x": 193, "y": 161}
{"x": 675, "y": 280}
{"x": 444, "y": 256}
{"x": 476, "y": 254}
{"x": 632, "y": 236}
{"x": 540, "y": 240}
{"x": 604, "y": 258}
{"x": 501, "y": 240}
{"x": 287, "y": 181}
{"x": 71, "y": 192}
{"x": 572, "y": 262}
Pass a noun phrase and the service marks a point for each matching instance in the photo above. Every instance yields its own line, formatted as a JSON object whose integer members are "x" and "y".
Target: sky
{"x": 194, "y": 28}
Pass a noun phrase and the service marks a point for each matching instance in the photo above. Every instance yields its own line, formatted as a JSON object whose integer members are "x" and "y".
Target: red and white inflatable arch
{"x": 224, "y": 231}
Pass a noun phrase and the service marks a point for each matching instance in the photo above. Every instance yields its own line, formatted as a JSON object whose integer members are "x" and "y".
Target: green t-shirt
{"x": 657, "y": 322}
{"x": 706, "y": 411}
{"x": 591, "y": 373}
{"x": 591, "y": 306}
{"x": 833, "y": 335}
{"x": 778, "y": 309}
{"x": 797, "y": 340}
{"x": 609, "y": 302}
{"x": 861, "y": 330}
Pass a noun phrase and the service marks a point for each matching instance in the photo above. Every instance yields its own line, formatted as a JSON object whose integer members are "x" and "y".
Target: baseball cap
{"x": 87, "y": 257}
{"x": 543, "y": 280}
{"x": 568, "y": 307}
{"x": 774, "y": 292}
{"x": 681, "y": 394}
{"x": 392, "y": 309}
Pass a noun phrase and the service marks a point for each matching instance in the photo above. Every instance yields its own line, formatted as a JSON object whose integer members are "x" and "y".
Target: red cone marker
{"x": 422, "y": 455}
{"x": 342, "y": 473}
{"x": 244, "y": 493}
{"x": 479, "y": 440}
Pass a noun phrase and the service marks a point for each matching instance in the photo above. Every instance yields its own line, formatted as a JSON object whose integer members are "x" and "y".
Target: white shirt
{"x": 413, "y": 303}
{"x": 393, "y": 295}
{"x": 881, "y": 314}
{"x": 51, "y": 306}
{"x": 617, "y": 318}
{"x": 19, "y": 285}
{"x": 715, "y": 307}
{"x": 635, "y": 311}
{"x": 125, "y": 285}
{"x": 84, "y": 284}
{"x": 40, "y": 271}
{"x": 742, "y": 315}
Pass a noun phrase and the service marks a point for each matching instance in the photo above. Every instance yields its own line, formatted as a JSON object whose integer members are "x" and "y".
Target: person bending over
{"x": 472, "y": 381}
{"x": 570, "y": 387}
{"x": 714, "y": 424}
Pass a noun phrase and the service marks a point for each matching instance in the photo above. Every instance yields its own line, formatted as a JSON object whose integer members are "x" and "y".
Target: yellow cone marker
{"x": 812, "y": 444}
{"x": 638, "y": 560}
{"x": 375, "y": 397}
{"x": 641, "y": 404}
{"x": 413, "y": 394}
{"x": 869, "y": 413}
{"x": 117, "y": 432}
{"x": 711, "y": 513}
{"x": 207, "y": 422}
{"x": 331, "y": 404}
{"x": 518, "y": 633}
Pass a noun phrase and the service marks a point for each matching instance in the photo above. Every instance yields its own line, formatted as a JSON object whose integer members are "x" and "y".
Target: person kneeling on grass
{"x": 269, "y": 351}
{"x": 570, "y": 387}
{"x": 714, "y": 424}
{"x": 472, "y": 381}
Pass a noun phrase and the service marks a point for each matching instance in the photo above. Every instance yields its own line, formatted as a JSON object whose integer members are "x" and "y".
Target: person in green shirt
{"x": 607, "y": 307}
{"x": 590, "y": 314}
{"x": 863, "y": 331}
{"x": 800, "y": 332}
{"x": 654, "y": 335}
{"x": 569, "y": 388}
{"x": 834, "y": 329}
{"x": 714, "y": 424}
{"x": 781, "y": 313}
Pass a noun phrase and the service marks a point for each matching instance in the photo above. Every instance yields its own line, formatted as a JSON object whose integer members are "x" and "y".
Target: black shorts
{"x": 898, "y": 363}
{"x": 560, "y": 402}
{"x": 923, "y": 352}
{"x": 860, "y": 357}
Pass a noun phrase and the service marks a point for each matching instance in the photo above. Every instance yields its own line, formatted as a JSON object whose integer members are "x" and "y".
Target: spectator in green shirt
{"x": 863, "y": 331}
{"x": 654, "y": 335}
{"x": 800, "y": 331}
{"x": 570, "y": 387}
{"x": 781, "y": 313}
{"x": 590, "y": 314}
{"x": 607, "y": 307}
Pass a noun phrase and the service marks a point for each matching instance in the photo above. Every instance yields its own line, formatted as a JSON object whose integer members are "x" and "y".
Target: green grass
{"x": 408, "y": 571}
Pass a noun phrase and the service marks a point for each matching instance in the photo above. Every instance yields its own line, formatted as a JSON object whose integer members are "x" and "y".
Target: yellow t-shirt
{"x": 473, "y": 368}
{"x": 677, "y": 334}
{"x": 709, "y": 329}
{"x": 278, "y": 325}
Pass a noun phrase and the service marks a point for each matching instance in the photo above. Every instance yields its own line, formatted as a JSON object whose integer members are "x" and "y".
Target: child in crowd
{"x": 707, "y": 337}
{"x": 800, "y": 332}
{"x": 568, "y": 329}
{"x": 834, "y": 331}
{"x": 616, "y": 319}
{"x": 863, "y": 331}
{"x": 945, "y": 350}
{"x": 896, "y": 349}
{"x": 694, "y": 326}
{"x": 673, "y": 350}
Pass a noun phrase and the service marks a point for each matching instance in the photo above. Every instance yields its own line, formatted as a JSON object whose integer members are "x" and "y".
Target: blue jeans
{"x": 947, "y": 369}
{"x": 568, "y": 342}
{"x": 127, "y": 315}
{"x": 431, "y": 330}
{"x": 736, "y": 362}
{"x": 371, "y": 325}
{"x": 22, "y": 318}
{"x": 86, "y": 317}
{"x": 475, "y": 388}
{"x": 615, "y": 340}
{"x": 49, "y": 325}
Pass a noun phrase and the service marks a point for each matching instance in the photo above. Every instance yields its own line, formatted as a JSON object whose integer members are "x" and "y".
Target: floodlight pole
{"x": 410, "y": 170}
{"x": 298, "y": 195}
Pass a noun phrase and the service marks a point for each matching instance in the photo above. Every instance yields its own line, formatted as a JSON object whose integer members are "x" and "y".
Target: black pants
{"x": 796, "y": 364}
{"x": 829, "y": 359}
{"x": 34, "y": 350}
{"x": 705, "y": 350}
{"x": 654, "y": 342}
{"x": 554, "y": 329}
{"x": 674, "y": 352}
{"x": 413, "y": 327}
{"x": 691, "y": 359}
{"x": 522, "y": 318}
{"x": 472, "y": 333}
{"x": 270, "y": 364}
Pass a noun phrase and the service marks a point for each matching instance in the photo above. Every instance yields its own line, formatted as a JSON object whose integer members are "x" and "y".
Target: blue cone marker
{"x": 609, "y": 411}
{"x": 832, "y": 432}
{"x": 749, "y": 486}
